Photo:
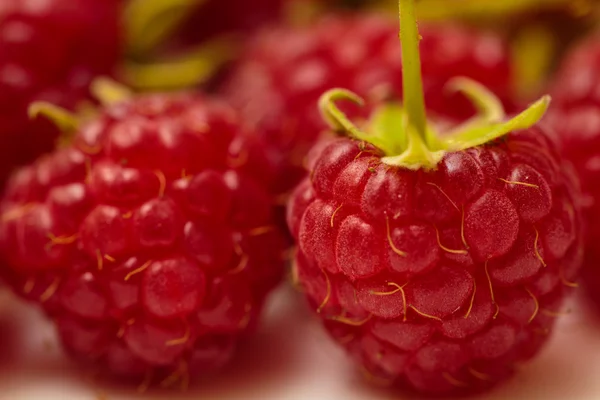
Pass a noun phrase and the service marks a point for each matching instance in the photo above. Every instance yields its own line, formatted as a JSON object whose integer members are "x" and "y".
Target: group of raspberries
{"x": 436, "y": 237}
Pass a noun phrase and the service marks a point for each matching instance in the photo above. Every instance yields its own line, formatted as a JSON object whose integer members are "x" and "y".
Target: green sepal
{"x": 388, "y": 124}
{"x": 64, "y": 120}
{"x": 483, "y": 133}
{"x": 417, "y": 154}
{"x": 489, "y": 107}
{"x": 339, "y": 122}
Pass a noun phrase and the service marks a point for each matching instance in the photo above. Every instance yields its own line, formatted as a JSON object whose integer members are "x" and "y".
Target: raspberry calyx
{"x": 106, "y": 91}
{"x": 414, "y": 142}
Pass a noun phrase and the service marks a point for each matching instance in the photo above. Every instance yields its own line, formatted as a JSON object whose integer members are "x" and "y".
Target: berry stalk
{"x": 415, "y": 143}
{"x": 414, "y": 99}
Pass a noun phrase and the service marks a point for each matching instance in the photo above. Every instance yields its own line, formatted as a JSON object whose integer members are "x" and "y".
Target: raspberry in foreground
{"x": 575, "y": 114}
{"x": 49, "y": 51}
{"x": 440, "y": 262}
{"x": 284, "y": 71}
{"x": 142, "y": 240}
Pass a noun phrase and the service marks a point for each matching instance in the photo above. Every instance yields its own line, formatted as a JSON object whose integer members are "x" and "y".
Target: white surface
{"x": 290, "y": 359}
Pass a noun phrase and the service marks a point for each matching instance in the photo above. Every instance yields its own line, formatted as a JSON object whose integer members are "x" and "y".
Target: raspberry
{"x": 284, "y": 70}
{"x": 49, "y": 51}
{"x": 438, "y": 262}
{"x": 143, "y": 241}
{"x": 575, "y": 117}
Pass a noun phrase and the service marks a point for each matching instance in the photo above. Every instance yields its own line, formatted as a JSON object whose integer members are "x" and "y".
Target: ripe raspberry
{"x": 49, "y": 51}
{"x": 438, "y": 262}
{"x": 284, "y": 71}
{"x": 143, "y": 241}
{"x": 415, "y": 302}
{"x": 576, "y": 117}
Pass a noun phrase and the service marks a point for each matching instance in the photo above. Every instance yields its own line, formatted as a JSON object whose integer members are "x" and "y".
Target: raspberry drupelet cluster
{"x": 143, "y": 241}
{"x": 444, "y": 280}
{"x": 59, "y": 32}
{"x": 284, "y": 71}
{"x": 439, "y": 262}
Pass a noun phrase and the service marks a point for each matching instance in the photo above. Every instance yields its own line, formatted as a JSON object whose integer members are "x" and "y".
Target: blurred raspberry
{"x": 576, "y": 116}
{"x": 49, "y": 51}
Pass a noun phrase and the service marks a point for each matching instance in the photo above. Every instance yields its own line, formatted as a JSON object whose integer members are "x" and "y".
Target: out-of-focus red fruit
{"x": 49, "y": 51}
{"x": 576, "y": 115}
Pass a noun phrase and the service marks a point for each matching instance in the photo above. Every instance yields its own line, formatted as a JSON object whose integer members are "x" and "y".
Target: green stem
{"x": 414, "y": 100}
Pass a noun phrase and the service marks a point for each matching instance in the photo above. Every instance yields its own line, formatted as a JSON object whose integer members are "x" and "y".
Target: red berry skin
{"x": 142, "y": 240}
{"x": 575, "y": 114}
{"x": 284, "y": 71}
{"x": 49, "y": 51}
{"x": 439, "y": 281}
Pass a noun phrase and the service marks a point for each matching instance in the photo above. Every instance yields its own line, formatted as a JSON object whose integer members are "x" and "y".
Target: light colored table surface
{"x": 290, "y": 359}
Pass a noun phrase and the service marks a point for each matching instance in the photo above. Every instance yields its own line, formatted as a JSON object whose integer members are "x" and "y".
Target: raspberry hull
{"x": 49, "y": 51}
{"x": 284, "y": 71}
{"x": 441, "y": 281}
{"x": 575, "y": 115}
{"x": 143, "y": 242}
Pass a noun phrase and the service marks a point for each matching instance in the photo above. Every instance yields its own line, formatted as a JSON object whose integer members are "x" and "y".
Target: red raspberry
{"x": 417, "y": 301}
{"x": 438, "y": 262}
{"x": 49, "y": 51}
{"x": 143, "y": 241}
{"x": 576, "y": 116}
{"x": 285, "y": 70}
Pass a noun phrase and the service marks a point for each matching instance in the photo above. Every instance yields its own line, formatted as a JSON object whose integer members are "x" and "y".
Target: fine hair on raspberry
{"x": 439, "y": 260}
